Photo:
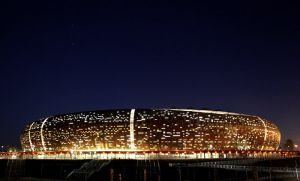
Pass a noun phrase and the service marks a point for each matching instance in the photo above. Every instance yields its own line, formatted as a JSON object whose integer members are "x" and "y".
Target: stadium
{"x": 156, "y": 130}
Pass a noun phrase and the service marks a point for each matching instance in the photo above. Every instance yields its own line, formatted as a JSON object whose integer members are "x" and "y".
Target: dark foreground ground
{"x": 150, "y": 170}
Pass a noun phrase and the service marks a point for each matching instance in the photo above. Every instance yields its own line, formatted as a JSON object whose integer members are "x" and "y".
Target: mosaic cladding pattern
{"x": 151, "y": 130}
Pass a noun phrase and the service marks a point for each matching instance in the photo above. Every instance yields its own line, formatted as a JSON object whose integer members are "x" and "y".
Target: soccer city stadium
{"x": 156, "y": 131}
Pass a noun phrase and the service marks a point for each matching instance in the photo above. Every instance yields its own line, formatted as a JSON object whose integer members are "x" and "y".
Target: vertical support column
{"x": 179, "y": 173}
{"x": 265, "y": 135}
{"x": 145, "y": 174}
{"x": 111, "y": 174}
{"x": 216, "y": 174}
{"x": 131, "y": 129}
{"x": 255, "y": 174}
{"x": 42, "y": 136}
{"x": 120, "y": 177}
{"x": 29, "y": 137}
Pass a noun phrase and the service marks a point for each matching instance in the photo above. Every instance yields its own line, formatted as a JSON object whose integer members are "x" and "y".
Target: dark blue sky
{"x": 59, "y": 57}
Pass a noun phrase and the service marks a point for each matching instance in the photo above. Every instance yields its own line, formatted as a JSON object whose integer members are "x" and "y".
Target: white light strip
{"x": 31, "y": 146}
{"x": 265, "y": 137}
{"x": 42, "y": 137}
{"x": 131, "y": 128}
{"x": 205, "y": 111}
{"x": 110, "y": 150}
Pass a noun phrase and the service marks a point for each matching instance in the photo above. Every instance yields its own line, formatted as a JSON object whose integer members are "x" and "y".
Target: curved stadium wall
{"x": 151, "y": 130}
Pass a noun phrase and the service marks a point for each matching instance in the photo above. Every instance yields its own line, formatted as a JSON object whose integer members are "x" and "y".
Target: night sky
{"x": 60, "y": 57}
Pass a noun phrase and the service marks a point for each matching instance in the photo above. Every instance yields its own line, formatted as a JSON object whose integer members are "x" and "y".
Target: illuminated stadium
{"x": 151, "y": 131}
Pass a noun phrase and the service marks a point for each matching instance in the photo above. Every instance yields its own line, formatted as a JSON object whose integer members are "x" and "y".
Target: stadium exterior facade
{"x": 150, "y": 130}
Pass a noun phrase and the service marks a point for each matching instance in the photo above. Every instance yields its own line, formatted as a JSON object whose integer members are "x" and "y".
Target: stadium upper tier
{"x": 150, "y": 130}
